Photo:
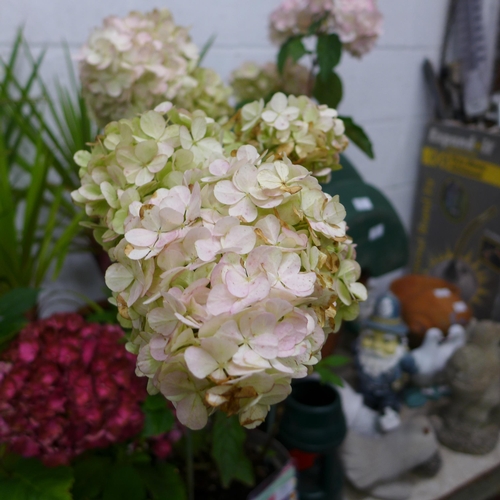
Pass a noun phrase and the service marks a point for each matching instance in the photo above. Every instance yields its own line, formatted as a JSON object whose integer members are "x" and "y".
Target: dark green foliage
{"x": 228, "y": 451}
{"x": 329, "y": 51}
{"x": 162, "y": 481}
{"x": 29, "y": 479}
{"x": 325, "y": 366}
{"x": 122, "y": 482}
{"x": 158, "y": 418}
{"x": 358, "y": 136}
{"x": 293, "y": 48}
{"x": 13, "y": 307}
{"x": 206, "y": 47}
{"x": 90, "y": 476}
{"x": 135, "y": 476}
{"x": 328, "y": 90}
{"x": 327, "y": 87}
{"x": 38, "y": 221}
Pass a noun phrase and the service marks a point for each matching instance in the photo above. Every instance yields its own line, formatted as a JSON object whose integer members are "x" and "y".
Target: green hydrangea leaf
{"x": 316, "y": 25}
{"x": 334, "y": 361}
{"x": 228, "y": 451}
{"x": 124, "y": 481}
{"x": 328, "y": 377}
{"x": 162, "y": 481}
{"x": 329, "y": 51}
{"x": 29, "y": 479}
{"x": 13, "y": 490}
{"x": 293, "y": 48}
{"x": 328, "y": 90}
{"x": 91, "y": 475}
{"x": 358, "y": 136}
{"x": 324, "y": 369}
{"x": 158, "y": 418}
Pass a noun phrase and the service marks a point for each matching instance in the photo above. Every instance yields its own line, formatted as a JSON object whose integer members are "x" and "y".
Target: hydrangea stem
{"x": 189, "y": 464}
{"x": 312, "y": 78}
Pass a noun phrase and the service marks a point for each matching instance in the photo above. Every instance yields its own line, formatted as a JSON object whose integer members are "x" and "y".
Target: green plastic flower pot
{"x": 381, "y": 240}
{"x": 312, "y": 428}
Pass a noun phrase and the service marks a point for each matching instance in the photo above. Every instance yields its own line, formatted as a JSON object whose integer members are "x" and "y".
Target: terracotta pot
{"x": 428, "y": 302}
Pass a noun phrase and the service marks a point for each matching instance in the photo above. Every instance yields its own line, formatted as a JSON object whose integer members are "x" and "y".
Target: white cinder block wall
{"x": 384, "y": 91}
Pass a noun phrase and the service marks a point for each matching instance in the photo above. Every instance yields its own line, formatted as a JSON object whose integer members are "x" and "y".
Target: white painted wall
{"x": 384, "y": 91}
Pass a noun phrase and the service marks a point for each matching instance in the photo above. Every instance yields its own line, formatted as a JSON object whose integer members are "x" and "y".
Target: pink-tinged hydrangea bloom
{"x": 358, "y": 23}
{"x": 68, "y": 386}
{"x": 131, "y": 64}
{"x": 230, "y": 266}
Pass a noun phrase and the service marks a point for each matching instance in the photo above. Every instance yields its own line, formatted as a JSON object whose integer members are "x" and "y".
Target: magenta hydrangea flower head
{"x": 358, "y": 23}
{"x": 227, "y": 256}
{"x": 67, "y": 386}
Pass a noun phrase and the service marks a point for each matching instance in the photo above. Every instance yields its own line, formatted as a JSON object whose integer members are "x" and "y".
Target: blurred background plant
{"x": 42, "y": 126}
{"x": 38, "y": 223}
{"x": 312, "y": 36}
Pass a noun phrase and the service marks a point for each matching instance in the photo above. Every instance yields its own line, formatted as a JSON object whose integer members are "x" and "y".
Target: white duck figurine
{"x": 433, "y": 355}
{"x": 378, "y": 464}
{"x": 359, "y": 417}
{"x": 455, "y": 339}
{"x": 426, "y": 357}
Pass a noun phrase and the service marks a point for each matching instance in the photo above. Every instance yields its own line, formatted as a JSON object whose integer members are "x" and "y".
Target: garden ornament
{"x": 382, "y": 358}
{"x": 468, "y": 424}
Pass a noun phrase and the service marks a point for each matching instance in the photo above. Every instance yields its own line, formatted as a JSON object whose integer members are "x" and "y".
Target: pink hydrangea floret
{"x": 358, "y": 23}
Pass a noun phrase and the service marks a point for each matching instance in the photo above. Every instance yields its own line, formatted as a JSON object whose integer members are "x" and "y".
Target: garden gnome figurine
{"x": 382, "y": 357}
{"x": 468, "y": 423}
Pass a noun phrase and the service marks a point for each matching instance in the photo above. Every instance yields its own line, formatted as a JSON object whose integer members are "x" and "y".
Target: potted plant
{"x": 230, "y": 265}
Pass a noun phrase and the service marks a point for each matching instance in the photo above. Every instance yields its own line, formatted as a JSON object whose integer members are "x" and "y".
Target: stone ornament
{"x": 468, "y": 423}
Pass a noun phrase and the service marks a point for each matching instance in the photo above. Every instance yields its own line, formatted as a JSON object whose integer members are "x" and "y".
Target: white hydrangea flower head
{"x": 229, "y": 268}
{"x": 251, "y": 81}
{"x": 309, "y": 134}
{"x": 131, "y": 64}
{"x": 358, "y": 23}
{"x": 206, "y": 91}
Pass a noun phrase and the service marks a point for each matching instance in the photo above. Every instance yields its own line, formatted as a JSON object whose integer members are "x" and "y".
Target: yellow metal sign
{"x": 462, "y": 164}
